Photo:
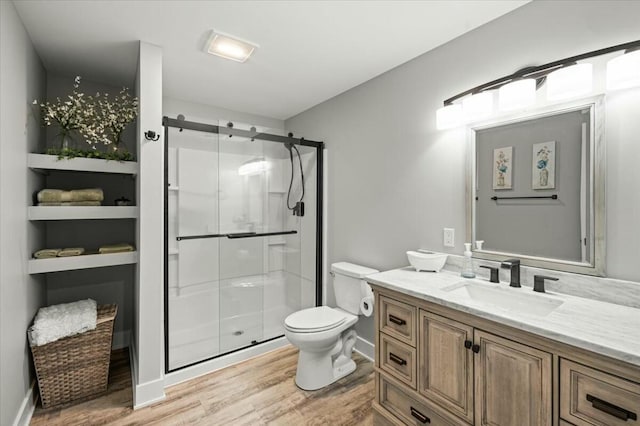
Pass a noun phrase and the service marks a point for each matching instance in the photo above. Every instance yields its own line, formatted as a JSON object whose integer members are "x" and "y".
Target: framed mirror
{"x": 535, "y": 188}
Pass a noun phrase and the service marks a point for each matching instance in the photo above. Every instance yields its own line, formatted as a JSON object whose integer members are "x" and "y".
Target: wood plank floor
{"x": 260, "y": 391}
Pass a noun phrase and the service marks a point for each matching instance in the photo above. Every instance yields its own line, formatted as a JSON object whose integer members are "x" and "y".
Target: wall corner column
{"x": 148, "y": 336}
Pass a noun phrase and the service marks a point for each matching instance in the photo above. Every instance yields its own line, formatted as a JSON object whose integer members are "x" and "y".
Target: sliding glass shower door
{"x": 234, "y": 246}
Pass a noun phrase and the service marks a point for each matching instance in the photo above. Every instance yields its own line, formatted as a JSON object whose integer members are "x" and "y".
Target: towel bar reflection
{"x": 548, "y": 197}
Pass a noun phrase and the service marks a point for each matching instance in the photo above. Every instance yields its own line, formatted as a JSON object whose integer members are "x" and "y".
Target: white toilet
{"x": 324, "y": 335}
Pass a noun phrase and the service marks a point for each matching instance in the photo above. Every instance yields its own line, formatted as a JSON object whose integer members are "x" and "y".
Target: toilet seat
{"x": 313, "y": 320}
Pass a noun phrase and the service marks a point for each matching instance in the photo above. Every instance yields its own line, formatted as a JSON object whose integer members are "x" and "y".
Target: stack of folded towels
{"x": 65, "y": 252}
{"x": 115, "y": 248}
{"x": 76, "y": 197}
{"x": 58, "y": 321}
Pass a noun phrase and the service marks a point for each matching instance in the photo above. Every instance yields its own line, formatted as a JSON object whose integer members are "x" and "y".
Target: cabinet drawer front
{"x": 592, "y": 397}
{"x": 405, "y": 407}
{"x": 398, "y": 359}
{"x": 398, "y": 319}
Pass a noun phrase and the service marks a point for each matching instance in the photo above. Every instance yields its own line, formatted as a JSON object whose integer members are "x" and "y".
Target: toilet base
{"x": 314, "y": 374}
{"x": 319, "y": 369}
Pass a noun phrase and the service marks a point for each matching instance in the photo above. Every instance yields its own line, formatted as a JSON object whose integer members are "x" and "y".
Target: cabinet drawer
{"x": 398, "y": 319}
{"x": 398, "y": 359}
{"x": 592, "y": 397}
{"x": 405, "y": 407}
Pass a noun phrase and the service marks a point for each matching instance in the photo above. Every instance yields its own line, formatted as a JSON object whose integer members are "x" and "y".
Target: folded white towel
{"x": 58, "y": 321}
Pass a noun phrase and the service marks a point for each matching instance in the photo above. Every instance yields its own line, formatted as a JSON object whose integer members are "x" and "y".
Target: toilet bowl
{"x": 325, "y": 335}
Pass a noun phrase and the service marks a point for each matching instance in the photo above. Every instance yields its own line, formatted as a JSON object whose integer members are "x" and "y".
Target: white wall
{"x": 149, "y": 286}
{"x": 22, "y": 79}
{"x": 395, "y": 181}
{"x": 210, "y": 114}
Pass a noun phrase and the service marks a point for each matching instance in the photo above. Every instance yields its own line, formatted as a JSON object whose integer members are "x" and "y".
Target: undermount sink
{"x": 511, "y": 299}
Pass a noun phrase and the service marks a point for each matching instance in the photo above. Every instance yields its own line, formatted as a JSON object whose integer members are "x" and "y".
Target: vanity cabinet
{"x": 436, "y": 365}
{"x": 455, "y": 358}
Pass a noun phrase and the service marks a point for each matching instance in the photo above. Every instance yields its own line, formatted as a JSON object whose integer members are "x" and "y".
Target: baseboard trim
{"x": 133, "y": 364}
{"x": 207, "y": 367}
{"x": 28, "y": 406}
{"x": 144, "y": 394}
{"x": 365, "y": 348}
{"x": 148, "y": 393}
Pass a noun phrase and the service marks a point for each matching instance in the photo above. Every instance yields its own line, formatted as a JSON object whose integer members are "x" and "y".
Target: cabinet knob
{"x": 475, "y": 349}
{"x": 468, "y": 344}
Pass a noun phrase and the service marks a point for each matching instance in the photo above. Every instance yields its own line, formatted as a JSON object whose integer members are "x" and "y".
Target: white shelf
{"x": 174, "y": 188}
{"x": 173, "y": 252}
{"x": 82, "y": 212}
{"x": 40, "y": 266}
{"x": 51, "y": 162}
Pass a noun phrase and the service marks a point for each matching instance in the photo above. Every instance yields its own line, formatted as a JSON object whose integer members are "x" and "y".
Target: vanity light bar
{"x": 542, "y": 70}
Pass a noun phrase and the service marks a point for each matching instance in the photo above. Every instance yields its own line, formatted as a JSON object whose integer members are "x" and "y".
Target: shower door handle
{"x": 198, "y": 237}
{"x": 254, "y": 234}
{"x": 241, "y": 235}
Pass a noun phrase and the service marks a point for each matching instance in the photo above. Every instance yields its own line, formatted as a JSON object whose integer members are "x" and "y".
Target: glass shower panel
{"x": 260, "y": 259}
{"x": 193, "y": 233}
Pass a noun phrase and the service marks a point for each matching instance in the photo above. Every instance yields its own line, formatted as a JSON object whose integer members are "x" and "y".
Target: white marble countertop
{"x": 605, "y": 328}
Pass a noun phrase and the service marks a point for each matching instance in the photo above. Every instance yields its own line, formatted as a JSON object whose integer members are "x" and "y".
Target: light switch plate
{"x": 449, "y": 239}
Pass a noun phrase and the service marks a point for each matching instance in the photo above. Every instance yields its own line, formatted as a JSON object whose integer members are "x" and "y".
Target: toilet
{"x": 324, "y": 335}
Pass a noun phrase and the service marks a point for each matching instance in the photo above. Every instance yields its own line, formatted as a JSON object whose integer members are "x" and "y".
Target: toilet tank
{"x": 348, "y": 285}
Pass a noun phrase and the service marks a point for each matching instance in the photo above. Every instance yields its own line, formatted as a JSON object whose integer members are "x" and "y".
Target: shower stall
{"x": 243, "y": 236}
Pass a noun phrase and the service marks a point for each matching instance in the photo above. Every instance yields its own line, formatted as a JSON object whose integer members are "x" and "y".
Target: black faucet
{"x": 494, "y": 273}
{"x": 514, "y": 266}
{"x": 538, "y": 282}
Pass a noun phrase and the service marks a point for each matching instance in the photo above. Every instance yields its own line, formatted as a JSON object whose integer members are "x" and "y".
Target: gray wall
{"x": 22, "y": 79}
{"x": 529, "y": 226}
{"x": 395, "y": 181}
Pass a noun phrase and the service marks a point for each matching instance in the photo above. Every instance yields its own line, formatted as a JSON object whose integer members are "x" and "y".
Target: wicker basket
{"x": 76, "y": 367}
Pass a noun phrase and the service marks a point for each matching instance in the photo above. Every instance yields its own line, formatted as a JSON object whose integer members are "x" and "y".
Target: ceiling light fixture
{"x": 253, "y": 167}
{"x": 229, "y": 47}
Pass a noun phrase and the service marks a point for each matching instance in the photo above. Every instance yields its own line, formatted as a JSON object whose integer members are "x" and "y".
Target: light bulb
{"x": 477, "y": 106}
{"x": 623, "y": 72}
{"x": 516, "y": 95}
{"x": 569, "y": 82}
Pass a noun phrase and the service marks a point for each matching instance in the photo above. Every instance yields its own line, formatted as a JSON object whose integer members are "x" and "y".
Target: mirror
{"x": 535, "y": 188}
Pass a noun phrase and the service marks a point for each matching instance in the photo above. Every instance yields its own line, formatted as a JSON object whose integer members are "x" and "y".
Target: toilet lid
{"x": 314, "y": 319}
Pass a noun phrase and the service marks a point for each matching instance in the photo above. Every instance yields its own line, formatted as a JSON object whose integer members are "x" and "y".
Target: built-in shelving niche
{"x": 85, "y": 226}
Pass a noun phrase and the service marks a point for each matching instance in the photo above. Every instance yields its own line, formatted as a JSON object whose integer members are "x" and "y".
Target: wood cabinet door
{"x": 513, "y": 383}
{"x": 445, "y": 363}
